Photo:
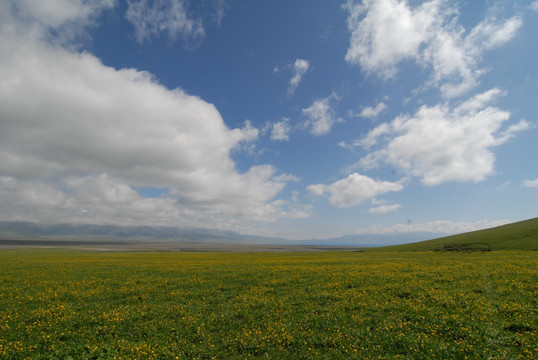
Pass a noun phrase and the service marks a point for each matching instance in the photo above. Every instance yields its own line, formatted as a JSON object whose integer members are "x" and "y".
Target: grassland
{"x": 317, "y": 305}
{"x": 522, "y": 235}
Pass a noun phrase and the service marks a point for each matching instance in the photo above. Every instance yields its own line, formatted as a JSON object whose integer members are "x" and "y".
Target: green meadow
{"x": 384, "y": 304}
{"x": 317, "y": 305}
{"x": 522, "y": 235}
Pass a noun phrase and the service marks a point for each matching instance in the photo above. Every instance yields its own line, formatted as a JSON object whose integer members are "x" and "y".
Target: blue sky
{"x": 299, "y": 119}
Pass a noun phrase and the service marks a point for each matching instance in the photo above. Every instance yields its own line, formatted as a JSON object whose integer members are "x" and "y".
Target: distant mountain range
{"x": 25, "y": 230}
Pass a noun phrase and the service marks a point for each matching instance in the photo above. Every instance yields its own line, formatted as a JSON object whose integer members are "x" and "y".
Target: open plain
{"x": 58, "y": 303}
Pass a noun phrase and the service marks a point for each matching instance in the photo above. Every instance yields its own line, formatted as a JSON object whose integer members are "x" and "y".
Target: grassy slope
{"x": 521, "y": 235}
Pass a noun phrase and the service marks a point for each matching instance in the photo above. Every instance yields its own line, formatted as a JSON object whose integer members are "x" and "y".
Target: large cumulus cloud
{"x": 78, "y": 137}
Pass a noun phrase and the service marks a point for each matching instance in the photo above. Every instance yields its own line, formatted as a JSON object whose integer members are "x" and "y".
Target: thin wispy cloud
{"x": 280, "y": 130}
{"x": 531, "y": 183}
{"x": 219, "y": 11}
{"x": 151, "y": 18}
{"x": 383, "y": 209}
{"x": 321, "y": 116}
{"x": 372, "y": 112}
{"x": 300, "y": 67}
{"x": 438, "y": 227}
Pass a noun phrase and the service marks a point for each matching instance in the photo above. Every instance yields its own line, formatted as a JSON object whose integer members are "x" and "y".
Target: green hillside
{"x": 521, "y": 235}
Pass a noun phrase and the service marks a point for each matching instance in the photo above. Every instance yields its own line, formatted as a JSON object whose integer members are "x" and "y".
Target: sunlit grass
{"x": 522, "y": 235}
{"x": 268, "y": 305}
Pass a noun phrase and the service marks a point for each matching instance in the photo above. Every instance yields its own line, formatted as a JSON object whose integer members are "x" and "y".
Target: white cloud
{"x": 372, "y": 112}
{"x": 353, "y": 189}
{"x": 534, "y": 6}
{"x": 387, "y": 32}
{"x": 300, "y": 67}
{"x": 490, "y": 34}
{"x": 280, "y": 130}
{"x": 441, "y": 143}
{"x": 370, "y": 139}
{"x": 321, "y": 117}
{"x": 99, "y": 199}
{"x": 78, "y": 137}
{"x": 317, "y": 189}
{"x": 531, "y": 183}
{"x": 294, "y": 208}
{"x": 61, "y": 21}
{"x": 56, "y": 13}
{"x": 479, "y": 101}
{"x": 150, "y": 18}
{"x": 383, "y": 209}
{"x": 455, "y": 58}
{"x": 439, "y": 227}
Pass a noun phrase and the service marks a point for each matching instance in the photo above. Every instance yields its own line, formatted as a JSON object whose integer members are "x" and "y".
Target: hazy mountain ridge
{"x": 20, "y": 229}
{"x": 29, "y": 229}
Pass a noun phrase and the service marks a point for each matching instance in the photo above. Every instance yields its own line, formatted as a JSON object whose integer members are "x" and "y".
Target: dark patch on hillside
{"x": 470, "y": 247}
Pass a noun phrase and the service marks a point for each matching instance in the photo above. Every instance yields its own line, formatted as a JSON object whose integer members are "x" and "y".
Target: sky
{"x": 297, "y": 119}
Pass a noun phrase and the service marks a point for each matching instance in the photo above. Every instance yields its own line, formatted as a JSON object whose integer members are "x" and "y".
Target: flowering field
{"x": 328, "y": 305}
